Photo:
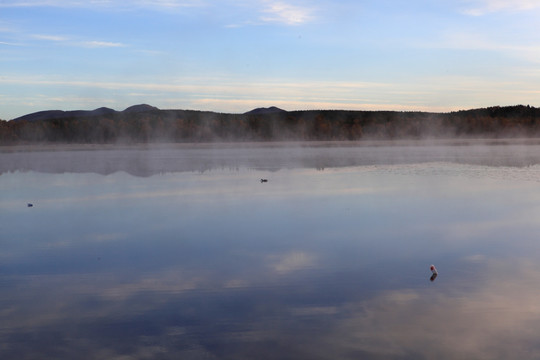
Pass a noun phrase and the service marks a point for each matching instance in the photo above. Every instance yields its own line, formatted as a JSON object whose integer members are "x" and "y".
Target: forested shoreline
{"x": 150, "y": 125}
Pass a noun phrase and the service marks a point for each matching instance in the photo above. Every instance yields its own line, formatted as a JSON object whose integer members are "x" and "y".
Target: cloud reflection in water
{"x": 312, "y": 264}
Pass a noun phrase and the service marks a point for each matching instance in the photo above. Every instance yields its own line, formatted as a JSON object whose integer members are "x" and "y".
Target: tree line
{"x": 198, "y": 126}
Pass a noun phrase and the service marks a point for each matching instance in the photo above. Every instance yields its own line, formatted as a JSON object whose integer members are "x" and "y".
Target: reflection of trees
{"x": 196, "y": 126}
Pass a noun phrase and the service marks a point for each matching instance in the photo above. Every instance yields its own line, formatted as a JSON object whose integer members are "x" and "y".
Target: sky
{"x": 236, "y": 55}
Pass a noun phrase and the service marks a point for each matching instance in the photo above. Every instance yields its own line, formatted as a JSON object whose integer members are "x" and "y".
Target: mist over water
{"x": 182, "y": 252}
{"x": 146, "y": 160}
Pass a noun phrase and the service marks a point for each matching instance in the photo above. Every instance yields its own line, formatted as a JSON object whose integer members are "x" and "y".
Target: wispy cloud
{"x": 212, "y": 85}
{"x": 236, "y": 95}
{"x": 9, "y": 43}
{"x": 49, "y": 37}
{"x": 168, "y": 4}
{"x": 230, "y": 105}
{"x": 286, "y": 13}
{"x": 100, "y": 4}
{"x": 292, "y": 261}
{"x": 6, "y": 28}
{"x": 41, "y": 3}
{"x": 461, "y": 40}
{"x": 102, "y": 44}
{"x": 68, "y": 41}
{"x": 482, "y": 7}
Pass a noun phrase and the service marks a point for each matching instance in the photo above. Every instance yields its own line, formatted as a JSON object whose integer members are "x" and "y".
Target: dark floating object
{"x": 30, "y": 205}
{"x": 434, "y": 272}
{"x": 264, "y": 180}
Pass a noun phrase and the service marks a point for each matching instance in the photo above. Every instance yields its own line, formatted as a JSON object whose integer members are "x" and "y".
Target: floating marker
{"x": 434, "y": 271}
{"x": 30, "y": 205}
{"x": 264, "y": 180}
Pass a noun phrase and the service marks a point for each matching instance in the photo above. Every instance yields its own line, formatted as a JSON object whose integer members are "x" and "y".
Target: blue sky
{"x": 235, "y": 55}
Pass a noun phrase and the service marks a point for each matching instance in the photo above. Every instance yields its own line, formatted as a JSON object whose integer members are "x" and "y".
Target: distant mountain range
{"x": 60, "y": 114}
{"x": 145, "y": 123}
{"x": 268, "y": 110}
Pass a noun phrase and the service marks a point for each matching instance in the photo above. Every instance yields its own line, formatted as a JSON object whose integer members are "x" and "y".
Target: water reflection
{"x": 148, "y": 160}
{"x": 311, "y": 264}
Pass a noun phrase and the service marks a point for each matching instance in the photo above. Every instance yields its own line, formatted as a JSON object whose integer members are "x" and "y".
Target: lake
{"x": 182, "y": 252}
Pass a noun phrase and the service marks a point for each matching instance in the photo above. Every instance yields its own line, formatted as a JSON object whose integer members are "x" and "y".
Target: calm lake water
{"x": 181, "y": 252}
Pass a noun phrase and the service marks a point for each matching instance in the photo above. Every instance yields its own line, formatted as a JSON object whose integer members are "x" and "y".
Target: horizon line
{"x": 277, "y": 109}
